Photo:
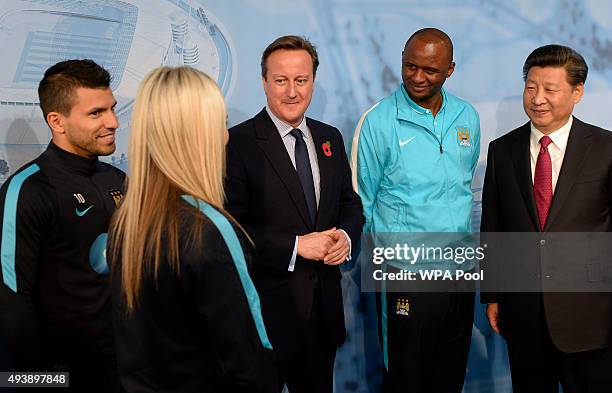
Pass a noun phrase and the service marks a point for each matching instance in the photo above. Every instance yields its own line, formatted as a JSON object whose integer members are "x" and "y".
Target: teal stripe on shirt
{"x": 9, "y": 225}
{"x": 233, "y": 244}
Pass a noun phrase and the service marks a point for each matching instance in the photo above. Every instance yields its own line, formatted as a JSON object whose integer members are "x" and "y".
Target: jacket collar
{"x": 578, "y": 146}
{"x": 270, "y": 142}
{"x": 70, "y": 161}
{"x": 410, "y": 111}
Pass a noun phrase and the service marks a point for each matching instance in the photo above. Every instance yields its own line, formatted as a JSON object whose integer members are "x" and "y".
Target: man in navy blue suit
{"x": 289, "y": 184}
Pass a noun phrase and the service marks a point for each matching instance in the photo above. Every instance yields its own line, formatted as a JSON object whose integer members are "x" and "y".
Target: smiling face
{"x": 88, "y": 130}
{"x": 548, "y": 97}
{"x": 425, "y": 66}
{"x": 288, "y": 84}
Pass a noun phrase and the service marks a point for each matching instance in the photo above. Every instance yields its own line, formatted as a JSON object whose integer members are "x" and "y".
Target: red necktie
{"x": 542, "y": 181}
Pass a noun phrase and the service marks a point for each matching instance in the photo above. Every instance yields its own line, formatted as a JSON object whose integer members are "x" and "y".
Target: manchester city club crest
{"x": 402, "y": 306}
{"x": 117, "y": 195}
{"x": 463, "y": 136}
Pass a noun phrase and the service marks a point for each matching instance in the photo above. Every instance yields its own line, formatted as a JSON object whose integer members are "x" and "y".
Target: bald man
{"x": 414, "y": 155}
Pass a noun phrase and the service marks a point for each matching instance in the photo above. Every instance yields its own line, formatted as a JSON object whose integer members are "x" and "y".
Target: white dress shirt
{"x": 284, "y": 130}
{"x": 556, "y": 149}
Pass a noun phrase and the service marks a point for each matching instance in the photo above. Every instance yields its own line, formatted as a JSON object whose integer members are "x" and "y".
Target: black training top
{"x": 192, "y": 329}
{"x": 55, "y": 303}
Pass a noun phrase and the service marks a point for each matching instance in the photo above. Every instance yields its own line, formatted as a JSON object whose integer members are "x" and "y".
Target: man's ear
{"x": 263, "y": 83}
{"x": 578, "y": 93}
{"x": 55, "y": 120}
{"x": 451, "y": 68}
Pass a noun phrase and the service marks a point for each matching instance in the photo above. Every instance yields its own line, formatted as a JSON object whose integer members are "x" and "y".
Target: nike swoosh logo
{"x": 81, "y": 213}
{"x": 407, "y": 141}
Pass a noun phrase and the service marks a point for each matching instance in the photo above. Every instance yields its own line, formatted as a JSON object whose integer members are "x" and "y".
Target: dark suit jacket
{"x": 264, "y": 194}
{"x": 581, "y": 203}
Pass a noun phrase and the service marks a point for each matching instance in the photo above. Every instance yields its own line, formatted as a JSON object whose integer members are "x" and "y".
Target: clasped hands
{"x": 331, "y": 246}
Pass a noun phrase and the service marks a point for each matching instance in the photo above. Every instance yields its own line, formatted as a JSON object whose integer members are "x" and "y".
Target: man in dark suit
{"x": 289, "y": 184}
{"x": 552, "y": 175}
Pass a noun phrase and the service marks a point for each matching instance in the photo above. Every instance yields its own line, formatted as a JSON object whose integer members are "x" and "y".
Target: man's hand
{"x": 315, "y": 245}
{"x": 338, "y": 253}
{"x": 493, "y": 316}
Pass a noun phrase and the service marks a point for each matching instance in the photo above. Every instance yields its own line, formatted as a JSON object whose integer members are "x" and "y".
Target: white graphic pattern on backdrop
{"x": 128, "y": 39}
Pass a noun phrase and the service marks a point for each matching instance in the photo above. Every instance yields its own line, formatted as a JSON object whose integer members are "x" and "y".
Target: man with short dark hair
{"x": 414, "y": 156}
{"x": 289, "y": 184}
{"x": 55, "y": 297}
{"x": 553, "y": 174}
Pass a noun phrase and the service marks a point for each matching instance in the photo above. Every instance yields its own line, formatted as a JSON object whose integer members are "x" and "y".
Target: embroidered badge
{"x": 463, "y": 136}
{"x": 327, "y": 149}
{"x": 402, "y": 306}
{"x": 117, "y": 195}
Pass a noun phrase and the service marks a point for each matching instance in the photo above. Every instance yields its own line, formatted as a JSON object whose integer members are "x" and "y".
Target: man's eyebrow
{"x": 99, "y": 108}
{"x": 545, "y": 84}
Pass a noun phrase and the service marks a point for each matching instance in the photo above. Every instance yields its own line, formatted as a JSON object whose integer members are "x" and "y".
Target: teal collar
{"x": 407, "y": 108}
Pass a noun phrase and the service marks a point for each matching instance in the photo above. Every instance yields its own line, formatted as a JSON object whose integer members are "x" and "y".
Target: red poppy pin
{"x": 327, "y": 149}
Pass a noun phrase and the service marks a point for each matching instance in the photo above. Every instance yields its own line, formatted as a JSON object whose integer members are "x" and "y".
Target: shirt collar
{"x": 558, "y": 137}
{"x": 412, "y": 108}
{"x": 71, "y": 161}
{"x": 284, "y": 128}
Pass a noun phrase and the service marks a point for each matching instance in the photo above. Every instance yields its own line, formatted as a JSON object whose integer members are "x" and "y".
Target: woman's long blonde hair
{"x": 177, "y": 146}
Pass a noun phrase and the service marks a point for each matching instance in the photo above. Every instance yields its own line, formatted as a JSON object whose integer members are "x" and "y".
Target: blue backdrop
{"x": 359, "y": 43}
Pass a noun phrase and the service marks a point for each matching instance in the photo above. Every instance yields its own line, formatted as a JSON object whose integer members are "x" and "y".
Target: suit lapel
{"x": 270, "y": 141}
{"x": 578, "y": 146}
{"x": 522, "y": 165}
{"x": 319, "y": 137}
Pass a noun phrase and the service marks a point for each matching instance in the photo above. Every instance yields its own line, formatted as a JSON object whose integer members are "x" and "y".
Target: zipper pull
{"x": 441, "y": 151}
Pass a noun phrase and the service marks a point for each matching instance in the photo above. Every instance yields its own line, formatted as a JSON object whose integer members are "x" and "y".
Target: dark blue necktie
{"x": 302, "y": 165}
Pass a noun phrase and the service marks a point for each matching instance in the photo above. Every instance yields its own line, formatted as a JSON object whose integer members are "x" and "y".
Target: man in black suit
{"x": 289, "y": 184}
{"x": 552, "y": 175}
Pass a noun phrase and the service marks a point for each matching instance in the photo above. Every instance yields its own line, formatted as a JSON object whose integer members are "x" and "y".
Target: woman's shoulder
{"x": 211, "y": 233}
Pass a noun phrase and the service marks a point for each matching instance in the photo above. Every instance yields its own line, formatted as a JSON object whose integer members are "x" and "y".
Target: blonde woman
{"x": 186, "y": 314}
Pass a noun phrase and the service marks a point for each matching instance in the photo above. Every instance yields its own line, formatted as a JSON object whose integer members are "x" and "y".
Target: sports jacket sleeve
{"x": 369, "y": 170}
{"x": 350, "y": 218}
{"x": 476, "y": 152}
{"x": 27, "y": 216}
{"x": 221, "y": 299}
